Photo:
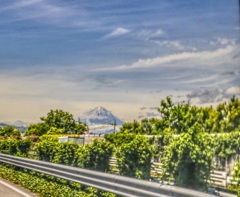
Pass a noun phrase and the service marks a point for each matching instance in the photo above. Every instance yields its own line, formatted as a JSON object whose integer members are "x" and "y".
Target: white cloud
{"x": 24, "y": 3}
{"x": 223, "y": 42}
{"x": 204, "y": 57}
{"x": 117, "y": 32}
{"x": 234, "y": 90}
{"x": 55, "y": 13}
{"x": 20, "y": 4}
{"x": 175, "y": 44}
{"x": 148, "y": 35}
{"x": 202, "y": 96}
{"x": 205, "y": 96}
{"x": 39, "y": 8}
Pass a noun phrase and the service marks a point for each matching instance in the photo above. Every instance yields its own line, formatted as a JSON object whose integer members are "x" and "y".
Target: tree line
{"x": 180, "y": 118}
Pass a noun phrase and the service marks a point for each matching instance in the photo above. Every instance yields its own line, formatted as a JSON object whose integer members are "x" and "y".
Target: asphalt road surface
{"x": 8, "y": 189}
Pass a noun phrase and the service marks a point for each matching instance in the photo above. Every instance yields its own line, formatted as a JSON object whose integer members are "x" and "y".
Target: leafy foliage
{"x": 64, "y": 153}
{"x": 227, "y": 145}
{"x": 229, "y": 115}
{"x": 52, "y": 138}
{"x": 236, "y": 178}
{"x": 117, "y": 139}
{"x": 56, "y": 122}
{"x": 37, "y": 129}
{"x": 176, "y": 119}
{"x": 93, "y": 156}
{"x": 48, "y": 186}
{"x": 188, "y": 160}
{"x": 63, "y": 120}
{"x": 133, "y": 127}
{"x": 9, "y": 131}
{"x": 45, "y": 150}
{"x": 15, "y": 146}
{"x": 189, "y": 137}
{"x": 134, "y": 158}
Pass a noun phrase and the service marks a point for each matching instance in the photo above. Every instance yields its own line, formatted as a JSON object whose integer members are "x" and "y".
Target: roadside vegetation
{"x": 188, "y": 140}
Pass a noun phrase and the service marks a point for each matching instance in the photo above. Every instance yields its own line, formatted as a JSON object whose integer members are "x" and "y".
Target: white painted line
{"x": 15, "y": 189}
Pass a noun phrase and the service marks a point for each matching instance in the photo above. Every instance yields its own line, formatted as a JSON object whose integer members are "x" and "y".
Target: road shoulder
{"x": 9, "y": 189}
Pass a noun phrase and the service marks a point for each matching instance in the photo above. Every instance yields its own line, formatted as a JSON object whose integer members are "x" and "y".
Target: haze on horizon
{"x": 123, "y": 55}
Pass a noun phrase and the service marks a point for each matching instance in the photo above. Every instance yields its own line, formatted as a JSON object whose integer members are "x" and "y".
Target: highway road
{"x": 8, "y": 189}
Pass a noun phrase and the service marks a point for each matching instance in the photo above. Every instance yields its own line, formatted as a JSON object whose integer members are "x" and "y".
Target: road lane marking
{"x": 15, "y": 189}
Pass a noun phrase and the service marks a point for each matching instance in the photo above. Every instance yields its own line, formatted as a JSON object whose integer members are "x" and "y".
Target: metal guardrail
{"x": 120, "y": 185}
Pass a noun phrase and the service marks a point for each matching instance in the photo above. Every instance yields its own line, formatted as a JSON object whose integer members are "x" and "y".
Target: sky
{"x": 123, "y": 55}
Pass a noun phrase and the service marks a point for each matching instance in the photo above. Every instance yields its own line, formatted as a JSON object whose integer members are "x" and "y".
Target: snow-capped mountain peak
{"x": 99, "y": 115}
{"x": 98, "y": 112}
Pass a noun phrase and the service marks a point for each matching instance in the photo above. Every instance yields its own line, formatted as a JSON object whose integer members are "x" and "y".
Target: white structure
{"x": 78, "y": 140}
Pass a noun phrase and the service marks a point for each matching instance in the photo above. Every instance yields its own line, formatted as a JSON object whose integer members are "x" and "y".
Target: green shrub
{"x": 15, "y": 146}
{"x": 95, "y": 156}
{"x": 134, "y": 158}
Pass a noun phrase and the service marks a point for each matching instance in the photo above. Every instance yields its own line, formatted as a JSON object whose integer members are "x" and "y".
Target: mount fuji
{"x": 99, "y": 115}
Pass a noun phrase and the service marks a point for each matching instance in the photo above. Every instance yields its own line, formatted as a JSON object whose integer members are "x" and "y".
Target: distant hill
{"x": 99, "y": 115}
{"x": 20, "y": 125}
{"x": 3, "y": 125}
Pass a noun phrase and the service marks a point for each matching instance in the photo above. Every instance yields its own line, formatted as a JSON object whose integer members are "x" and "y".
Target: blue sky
{"x": 122, "y": 55}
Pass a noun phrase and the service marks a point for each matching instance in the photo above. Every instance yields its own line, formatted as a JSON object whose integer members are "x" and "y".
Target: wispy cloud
{"x": 234, "y": 90}
{"x": 223, "y": 41}
{"x": 149, "y": 108}
{"x": 19, "y": 4}
{"x": 213, "y": 95}
{"x": 149, "y": 34}
{"x": 149, "y": 112}
{"x": 175, "y": 44}
{"x": 184, "y": 70}
{"x": 117, "y": 32}
{"x": 147, "y": 50}
{"x": 104, "y": 82}
{"x": 59, "y": 14}
{"x": 205, "y": 96}
{"x": 38, "y": 8}
{"x": 206, "y": 57}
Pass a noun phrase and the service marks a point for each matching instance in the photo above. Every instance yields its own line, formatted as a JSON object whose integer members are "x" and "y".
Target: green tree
{"x": 208, "y": 118}
{"x": 131, "y": 127}
{"x": 15, "y": 146}
{"x": 229, "y": 115}
{"x": 95, "y": 156}
{"x": 54, "y": 131}
{"x": 134, "y": 158}
{"x": 177, "y": 118}
{"x": 56, "y": 122}
{"x": 9, "y": 131}
{"x": 236, "y": 179}
{"x": 188, "y": 159}
{"x": 63, "y": 120}
{"x": 226, "y": 146}
{"x": 147, "y": 126}
{"x": 37, "y": 129}
{"x": 117, "y": 139}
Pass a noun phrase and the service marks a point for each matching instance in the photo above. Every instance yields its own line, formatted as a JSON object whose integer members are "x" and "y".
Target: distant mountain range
{"x": 99, "y": 115}
{"x": 99, "y": 121}
{"x": 20, "y": 125}
{"x": 17, "y": 123}
{"x": 2, "y": 124}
